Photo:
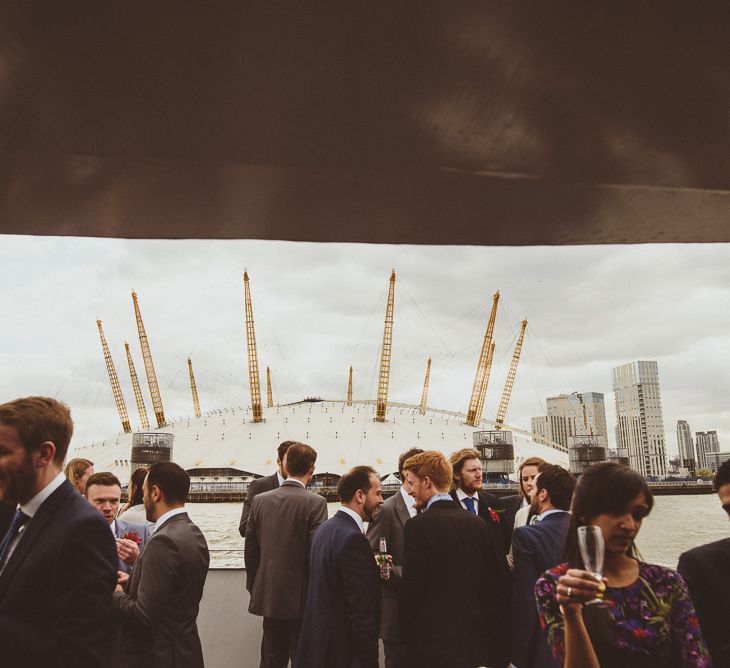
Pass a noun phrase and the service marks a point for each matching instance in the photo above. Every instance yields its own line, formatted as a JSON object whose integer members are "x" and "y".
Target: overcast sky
{"x": 319, "y": 308}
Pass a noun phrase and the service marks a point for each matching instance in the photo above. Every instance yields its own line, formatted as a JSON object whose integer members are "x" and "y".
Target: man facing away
{"x": 706, "y": 569}
{"x": 388, "y": 523}
{"x": 340, "y": 628}
{"x": 535, "y": 549}
{"x": 452, "y": 605}
{"x": 57, "y": 560}
{"x": 278, "y": 535}
{"x": 157, "y": 607}
{"x": 104, "y": 491}
{"x": 265, "y": 484}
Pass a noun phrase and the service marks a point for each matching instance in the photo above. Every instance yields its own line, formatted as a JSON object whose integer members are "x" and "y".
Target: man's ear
{"x": 45, "y": 453}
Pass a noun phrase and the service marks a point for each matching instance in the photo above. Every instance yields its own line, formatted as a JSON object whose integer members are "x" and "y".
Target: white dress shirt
{"x": 355, "y": 517}
{"x": 409, "y": 500}
{"x": 166, "y": 516}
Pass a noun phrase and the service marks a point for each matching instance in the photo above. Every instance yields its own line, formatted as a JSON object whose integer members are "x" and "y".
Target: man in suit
{"x": 535, "y": 549}
{"x": 707, "y": 573}
{"x": 526, "y": 474}
{"x": 104, "y": 491}
{"x": 340, "y": 627}
{"x": 157, "y": 607}
{"x": 57, "y": 560}
{"x": 265, "y": 484}
{"x": 388, "y": 523}
{"x": 278, "y": 535}
{"x": 452, "y": 605}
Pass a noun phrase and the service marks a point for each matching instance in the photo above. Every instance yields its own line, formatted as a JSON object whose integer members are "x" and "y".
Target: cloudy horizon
{"x": 319, "y": 308}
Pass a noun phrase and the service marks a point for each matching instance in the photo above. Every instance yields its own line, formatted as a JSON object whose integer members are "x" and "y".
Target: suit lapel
{"x": 274, "y": 481}
{"x": 401, "y": 510}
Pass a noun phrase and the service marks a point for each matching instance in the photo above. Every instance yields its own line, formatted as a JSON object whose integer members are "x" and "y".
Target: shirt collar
{"x": 31, "y": 507}
{"x": 280, "y": 477}
{"x": 461, "y": 494}
{"x": 113, "y": 527}
{"x": 354, "y": 516}
{"x": 299, "y": 482}
{"x": 409, "y": 501}
{"x": 444, "y": 496}
{"x": 166, "y": 516}
{"x": 542, "y": 516}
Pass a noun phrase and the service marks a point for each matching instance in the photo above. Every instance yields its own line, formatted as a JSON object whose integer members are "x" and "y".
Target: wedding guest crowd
{"x": 82, "y": 585}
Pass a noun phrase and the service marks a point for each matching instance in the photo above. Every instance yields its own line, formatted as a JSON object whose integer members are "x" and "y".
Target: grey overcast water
{"x": 676, "y": 524}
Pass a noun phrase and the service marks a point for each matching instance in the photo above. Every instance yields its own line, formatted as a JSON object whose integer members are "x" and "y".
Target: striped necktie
{"x": 19, "y": 519}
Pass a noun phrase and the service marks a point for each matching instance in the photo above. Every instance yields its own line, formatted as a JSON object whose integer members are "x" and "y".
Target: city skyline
{"x": 319, "y": 308}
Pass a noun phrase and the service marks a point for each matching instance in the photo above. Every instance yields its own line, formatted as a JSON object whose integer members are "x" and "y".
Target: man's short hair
{"x": 357, "y": 478}
{"x": 431, "y": 464}
{"x": 171, "y": 479}
{"x": 103, "y": 478}
{"x": 558, "y": 482}
{"x": 405, "y": 455}
{"x": 37, "y": 420}
{"x": 281, "y": 450}
{"x": 722, "y": 477}
{"x": 300, "y": 457}
{"x": 460, "y": 457}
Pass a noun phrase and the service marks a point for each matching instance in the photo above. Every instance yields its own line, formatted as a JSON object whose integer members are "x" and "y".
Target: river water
{"x": 676, "y": 524}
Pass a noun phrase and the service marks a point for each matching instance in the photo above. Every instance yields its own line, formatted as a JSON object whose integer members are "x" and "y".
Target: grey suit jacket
{"x": 278, "y": 536}
{"x": 255, "y": 487}
{"x": 389, "y": 522}
{"x": 156, "y": 614}
{"x": 122, "y": 528}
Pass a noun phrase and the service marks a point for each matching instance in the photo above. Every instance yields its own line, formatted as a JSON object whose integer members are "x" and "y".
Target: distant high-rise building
{"x": 639, "y": 419}
{"x": 685, "y": 445}
{"x": 706, "y": 442}
{"x": 576, "y": 417}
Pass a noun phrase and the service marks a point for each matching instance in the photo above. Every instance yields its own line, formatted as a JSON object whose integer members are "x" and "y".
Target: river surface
{"x": 676, "y": 524}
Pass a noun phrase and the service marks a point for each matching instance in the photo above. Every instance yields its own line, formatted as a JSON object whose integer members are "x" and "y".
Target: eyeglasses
{"x": 726, "y": 508}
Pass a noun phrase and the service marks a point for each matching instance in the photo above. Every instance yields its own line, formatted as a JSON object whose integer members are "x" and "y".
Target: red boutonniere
{"x": 493, "y": 516}
{"x": 133, "y": 535}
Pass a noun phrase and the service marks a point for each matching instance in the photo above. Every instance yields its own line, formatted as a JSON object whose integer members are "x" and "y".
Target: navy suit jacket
{"x": 535, "y": 549}
{"x": 340, "y": 626}
{"x": 56, "y": 589}
{"x": 123, "y": 527}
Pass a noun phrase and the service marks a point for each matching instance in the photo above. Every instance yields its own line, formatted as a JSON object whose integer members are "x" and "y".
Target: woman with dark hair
{"x": 133, "y": 510}
{"x": 646, "y": 618}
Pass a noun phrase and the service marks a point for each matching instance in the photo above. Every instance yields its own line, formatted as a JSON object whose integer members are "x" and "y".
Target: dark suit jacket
{"x": 509, "y": 505}
{"x": 706, "y": 569}
{"x": 452, "y": 605}
{"x": 389, "y": 522}
{"x": 280, "y": 528}
{"x": 255, "y": 487}
{"x": 123, "y": 527}
{"x": 535, "y": 549}
{"x": 157, "y": 612}
{"x": 56, "y": 589}
{"x": 340, "y": 627}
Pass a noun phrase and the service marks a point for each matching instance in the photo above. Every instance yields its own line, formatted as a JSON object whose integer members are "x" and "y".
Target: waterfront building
{"x": 573, "y": 418}
{"x": 706, "y": 442}
{"x": 716, "y": 459}
{"x": 639, "y": 418}
{"x": 686, "y": 447}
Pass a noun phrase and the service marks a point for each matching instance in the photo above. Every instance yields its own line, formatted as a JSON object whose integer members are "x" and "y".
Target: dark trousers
{"x": 279, "y": 642}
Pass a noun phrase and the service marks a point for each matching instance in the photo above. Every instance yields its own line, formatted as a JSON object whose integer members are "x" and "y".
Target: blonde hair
{"x": 75, "y": 469}
{"x": 433, "y": 465}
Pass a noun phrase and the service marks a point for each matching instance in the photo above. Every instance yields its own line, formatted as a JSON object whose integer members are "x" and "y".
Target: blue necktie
{"x": 471, "y": 505}
{"x": 19, "y": 519}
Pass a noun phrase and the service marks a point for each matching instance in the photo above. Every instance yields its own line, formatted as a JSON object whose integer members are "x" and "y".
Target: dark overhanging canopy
{"x": 408, "y": 122}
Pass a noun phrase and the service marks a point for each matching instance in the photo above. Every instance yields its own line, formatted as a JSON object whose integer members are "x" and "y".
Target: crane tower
{"x": 114, "y": 380}
{"x": 194, "y": 389}
{"x": 481, "y": 378}
{"x": 269, "y": 394}
{"x": 149, "y": 366}
{"x": 385, "y": 353}
{"x": 253, "y": 360}
{"x": 349, "y": 389}
{"x": 504, "y": 401}
{"x": 137, "y": 391}
{"x": 424, "y": 394}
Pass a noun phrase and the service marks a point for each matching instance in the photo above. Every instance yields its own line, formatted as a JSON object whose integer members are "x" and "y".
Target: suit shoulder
{"x": 707, "y": 551}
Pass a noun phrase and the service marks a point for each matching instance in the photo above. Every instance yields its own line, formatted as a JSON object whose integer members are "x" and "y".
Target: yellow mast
{"x": 253, "y": 360}
{"x": 424, "y": 394}
{"x": 349, "y": 389}
{"x": 483, "y": 393}
{"x": 502, "y": 410}
{"x": 269, "y": 395}
{"x": 149, "y": 366}
{"x": 194, "y": 389}
{"x": 384, "y": 378}
{"x": 481, "y": 378}
{"x": 137, "y": 391}
{"x": 114, "y": 380}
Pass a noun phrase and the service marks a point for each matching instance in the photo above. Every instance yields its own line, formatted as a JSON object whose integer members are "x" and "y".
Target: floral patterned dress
{"x": 655, "y": 623}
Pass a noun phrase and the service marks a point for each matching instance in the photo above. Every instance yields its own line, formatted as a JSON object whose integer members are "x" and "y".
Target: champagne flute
{"x": 592, "y": 549}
